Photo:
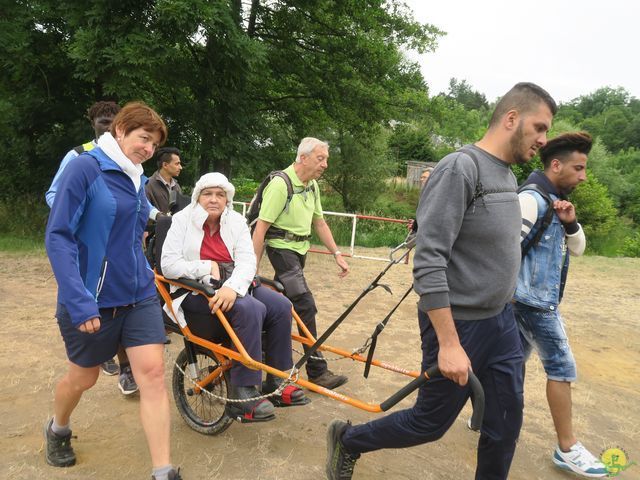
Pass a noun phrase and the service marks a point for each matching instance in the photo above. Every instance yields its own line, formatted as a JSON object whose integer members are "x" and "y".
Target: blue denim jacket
{"x": 544, "y": 270}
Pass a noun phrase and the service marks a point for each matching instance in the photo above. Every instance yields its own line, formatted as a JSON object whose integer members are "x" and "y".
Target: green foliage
{"x": 610, "y": 114}
{"x": 24, "y": 216}
{"x": 239, "y": 83}
{"x": 245, "y": 189}
{"x": 461, "y": 92}
{"x": 594, "y": 208}
{"x": 631, "y": 246}
{"x": 359, "y": 168}
{"x": 411, "y": 142}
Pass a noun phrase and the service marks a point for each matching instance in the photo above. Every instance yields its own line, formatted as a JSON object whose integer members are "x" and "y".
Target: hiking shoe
{"x": 579, "y": 460}
{"x": 259, "y": 410}
{"x": 110, "y": 367}
{"x": 329, "y": 380}
{"x": 340, "y": 463}
{"x": 126, "y": 383}
{"x": 172, "y": 475}
{"x": 57, "y": 448}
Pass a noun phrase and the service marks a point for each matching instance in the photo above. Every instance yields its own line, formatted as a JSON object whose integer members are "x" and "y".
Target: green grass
{"x": 10, "y": 243}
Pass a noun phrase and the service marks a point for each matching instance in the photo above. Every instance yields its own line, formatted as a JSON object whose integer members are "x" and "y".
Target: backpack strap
{"x": 542, "y": 223}
{"x": 287, "y": 181}
{"x": 479, "y": 191}
{"x": 85, "y": 147}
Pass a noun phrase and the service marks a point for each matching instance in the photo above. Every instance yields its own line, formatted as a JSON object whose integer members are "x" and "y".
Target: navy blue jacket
{"x": 94, "y": 238}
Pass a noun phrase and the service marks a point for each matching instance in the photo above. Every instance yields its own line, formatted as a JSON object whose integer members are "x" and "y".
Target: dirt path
{"x": 601, "y": 312}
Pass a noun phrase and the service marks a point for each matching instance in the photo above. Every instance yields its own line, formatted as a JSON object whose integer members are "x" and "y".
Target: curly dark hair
{"x": 102, "y": 109}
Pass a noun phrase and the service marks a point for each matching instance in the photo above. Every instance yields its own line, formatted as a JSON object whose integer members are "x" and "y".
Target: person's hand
{"x": 454, "y": 363}
{"x": 224, "y": 299}
{"x": 344, "y": 266}
{"x": 410, "y": 224}
{"x": 565, "y": 210}
{"x": 90, "y": 326}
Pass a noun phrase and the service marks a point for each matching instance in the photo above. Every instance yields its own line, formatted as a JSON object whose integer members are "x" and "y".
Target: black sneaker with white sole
{"x": 57, "y": 448}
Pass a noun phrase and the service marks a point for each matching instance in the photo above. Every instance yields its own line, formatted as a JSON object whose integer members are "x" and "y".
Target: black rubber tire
{"x": 201, "y": 412}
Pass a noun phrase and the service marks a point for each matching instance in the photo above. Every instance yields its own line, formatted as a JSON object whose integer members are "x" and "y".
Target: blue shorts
{"x": 544, "y": 331}
{"x": 132, "y": 326}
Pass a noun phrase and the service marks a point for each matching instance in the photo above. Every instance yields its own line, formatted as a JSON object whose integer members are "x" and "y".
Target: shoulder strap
{"x": 542, "y": 223}
{"x": 287, "y": 182}
{"x": 85, "y": 147}
{"x": 478, "y": 192}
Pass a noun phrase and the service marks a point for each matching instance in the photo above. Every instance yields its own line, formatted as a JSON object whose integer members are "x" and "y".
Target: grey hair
{"x": 308, "y": 145}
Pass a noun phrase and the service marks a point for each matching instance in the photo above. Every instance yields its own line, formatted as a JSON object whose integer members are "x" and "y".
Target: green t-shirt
{"x": 304, "y": 207}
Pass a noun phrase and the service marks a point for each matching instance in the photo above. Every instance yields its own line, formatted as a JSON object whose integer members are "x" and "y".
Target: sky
{"x": 569, "y": 47}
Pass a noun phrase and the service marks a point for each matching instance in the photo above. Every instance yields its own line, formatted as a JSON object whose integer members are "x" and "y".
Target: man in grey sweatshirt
{"x": 465, "y": 270}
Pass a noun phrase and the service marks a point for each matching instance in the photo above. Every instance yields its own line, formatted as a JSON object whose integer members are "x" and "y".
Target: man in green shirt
{"x": 287, "y": 230}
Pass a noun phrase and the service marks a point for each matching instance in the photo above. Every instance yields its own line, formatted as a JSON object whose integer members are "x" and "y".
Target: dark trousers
{"x": 494, "y": 348}
{"x": 288, "y": 266}
{"x": 263, "y": 310}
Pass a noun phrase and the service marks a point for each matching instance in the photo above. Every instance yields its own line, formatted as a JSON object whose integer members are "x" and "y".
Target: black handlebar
{"x": 477, "y": 398}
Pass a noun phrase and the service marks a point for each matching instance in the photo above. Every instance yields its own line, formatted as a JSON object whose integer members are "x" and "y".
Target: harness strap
{"x": 378, "y": 330}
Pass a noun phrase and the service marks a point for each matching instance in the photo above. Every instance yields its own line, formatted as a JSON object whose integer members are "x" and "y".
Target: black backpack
{"x": 541, "y": 223}
{"x": 256, "y": 202}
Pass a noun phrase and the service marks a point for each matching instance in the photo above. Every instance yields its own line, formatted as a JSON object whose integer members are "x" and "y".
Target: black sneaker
{"x": 110, "y": 367}
{"x": 329, "y": 380}
{"x": 172, "y": 475}
{"x": 340, "y": 463}
{"x": 57, "y": 448}
{"x": 126, "y": 383}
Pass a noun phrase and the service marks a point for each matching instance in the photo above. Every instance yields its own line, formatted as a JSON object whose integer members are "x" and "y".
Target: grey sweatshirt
{"x": 468, "y": 256}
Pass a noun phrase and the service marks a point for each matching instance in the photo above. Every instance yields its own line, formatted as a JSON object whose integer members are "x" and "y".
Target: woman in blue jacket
{"x": 106, "y": 291}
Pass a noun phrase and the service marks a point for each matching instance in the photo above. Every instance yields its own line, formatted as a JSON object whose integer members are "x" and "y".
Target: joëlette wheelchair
{"x": 200, "y": 380}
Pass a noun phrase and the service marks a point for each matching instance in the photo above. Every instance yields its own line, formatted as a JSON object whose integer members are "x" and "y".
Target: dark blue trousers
{"x": 263, "y": 310}
{"x": 494, "y": 348}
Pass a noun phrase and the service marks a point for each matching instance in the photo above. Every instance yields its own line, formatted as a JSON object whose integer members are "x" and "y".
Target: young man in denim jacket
{"x": 541, "y": 283}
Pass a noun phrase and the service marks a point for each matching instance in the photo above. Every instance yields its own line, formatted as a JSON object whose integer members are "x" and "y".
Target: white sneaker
{"x": 579, "y": 460}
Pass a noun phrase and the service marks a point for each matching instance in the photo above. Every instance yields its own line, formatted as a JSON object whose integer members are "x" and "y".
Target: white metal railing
{"x": 354, "y": 223}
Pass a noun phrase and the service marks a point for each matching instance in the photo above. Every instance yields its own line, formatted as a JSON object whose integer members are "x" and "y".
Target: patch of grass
{"x": 10, "y": 243}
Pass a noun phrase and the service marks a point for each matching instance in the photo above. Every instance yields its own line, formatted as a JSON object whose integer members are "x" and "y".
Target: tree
{"x": 234, "y": 80}
{"x": 359, "y": 167}
{"x": 461, "y": 92}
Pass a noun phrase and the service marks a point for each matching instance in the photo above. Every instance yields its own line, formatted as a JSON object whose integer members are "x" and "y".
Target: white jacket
{"x": 181, "y": 251}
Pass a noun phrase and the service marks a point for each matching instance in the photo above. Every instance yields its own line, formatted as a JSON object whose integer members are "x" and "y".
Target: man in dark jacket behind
{"x": 162, "y": 186}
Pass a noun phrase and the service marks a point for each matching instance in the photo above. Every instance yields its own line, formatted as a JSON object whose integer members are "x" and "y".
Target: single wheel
{"x": 202, "y": 412}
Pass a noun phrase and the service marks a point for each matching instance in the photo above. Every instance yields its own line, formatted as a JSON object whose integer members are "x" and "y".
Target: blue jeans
{"x": 495, "y": 351}
{"x": 544, "y": 331}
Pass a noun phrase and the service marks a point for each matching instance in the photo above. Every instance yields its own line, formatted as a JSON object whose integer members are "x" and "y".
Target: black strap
{"x": 479, "y": 192}
{"x": 541, "y": 223}
{"x": 275, "y": 232}
{"x": 323, "y": 338}
{"x": 378, "y": 330}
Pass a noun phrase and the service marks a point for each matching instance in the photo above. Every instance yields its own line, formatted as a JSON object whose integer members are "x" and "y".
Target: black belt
{"x": 285, "y": 235}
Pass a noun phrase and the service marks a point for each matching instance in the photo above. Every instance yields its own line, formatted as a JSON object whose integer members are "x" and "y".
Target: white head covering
{"x": 210, "y": 180}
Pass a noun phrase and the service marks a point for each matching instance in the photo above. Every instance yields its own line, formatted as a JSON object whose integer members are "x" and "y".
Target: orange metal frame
{"x": 225, "y": 355}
